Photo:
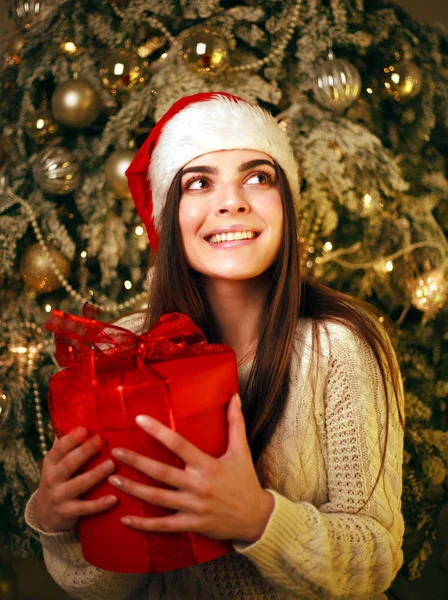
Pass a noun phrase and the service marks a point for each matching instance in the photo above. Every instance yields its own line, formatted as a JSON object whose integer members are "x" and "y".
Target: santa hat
{"x": 193, "y": 126}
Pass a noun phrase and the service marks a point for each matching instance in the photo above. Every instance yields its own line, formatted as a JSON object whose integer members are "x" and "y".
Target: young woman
{"x": 309, "y": 488}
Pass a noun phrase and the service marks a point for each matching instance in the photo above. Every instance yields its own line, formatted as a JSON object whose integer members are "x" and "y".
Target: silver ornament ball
{"x": 25, "y": 12}
{"x": 337, "y": 84}
{"x": 56, "y": 171}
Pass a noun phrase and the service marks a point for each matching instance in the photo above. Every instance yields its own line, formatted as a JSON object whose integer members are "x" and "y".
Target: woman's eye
{"x": 198, "y": 183}
{"x": 260, "y": 178}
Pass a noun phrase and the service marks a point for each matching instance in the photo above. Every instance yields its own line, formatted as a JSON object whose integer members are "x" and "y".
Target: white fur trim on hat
{"x": 209, "y": 126}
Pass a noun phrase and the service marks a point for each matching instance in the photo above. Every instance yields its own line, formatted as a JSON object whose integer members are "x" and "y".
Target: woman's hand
{"x": 58, "y": 507}
{"x": 218, "y": 497}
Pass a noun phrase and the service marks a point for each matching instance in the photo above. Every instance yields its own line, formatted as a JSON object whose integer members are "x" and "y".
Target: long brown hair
{"x": 177, "y": 288}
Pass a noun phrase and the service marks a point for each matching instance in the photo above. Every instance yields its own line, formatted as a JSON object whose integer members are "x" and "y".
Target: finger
{"x": 160, "y": 471}
{"x": 154, "y": 495}
{"x": 77, "y": 457}
{"x": 62, "y": 446}
{"x": 84, "y": 508}
{"x": 84, "y": 482}
{"x": 237, "y": 425}
{"x": 185, "y": 450}
{"x": 173, "y": 523}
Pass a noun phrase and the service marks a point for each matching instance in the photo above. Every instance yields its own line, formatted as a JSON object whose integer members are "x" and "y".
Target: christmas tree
{"x": 362, "y": 91}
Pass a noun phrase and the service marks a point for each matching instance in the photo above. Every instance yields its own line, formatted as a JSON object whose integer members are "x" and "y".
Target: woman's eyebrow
{"x": 199, "y": 169}
{"x": 254, "y": 163}
{"x": 243, "y": 167}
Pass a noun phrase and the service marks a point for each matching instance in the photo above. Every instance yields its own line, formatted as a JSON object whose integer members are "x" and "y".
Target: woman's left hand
{"x": 218, "y": 497}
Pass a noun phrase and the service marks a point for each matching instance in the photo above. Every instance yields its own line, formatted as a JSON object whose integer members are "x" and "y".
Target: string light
{"x": 68, "y": 47}
{"x": 47, "y": 308}
{"x": 127, "y": 284}
{"x": 367, "y": 200}
{"x": 18, "y": 349}
{"x": 83, "y": 254}
{"x": 139, "y": 231}
{"x": 389, "y": 266}
{"x": 328, "y": 246}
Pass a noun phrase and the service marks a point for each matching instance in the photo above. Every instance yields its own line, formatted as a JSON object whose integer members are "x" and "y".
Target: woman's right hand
{"x": 58, "y": 506}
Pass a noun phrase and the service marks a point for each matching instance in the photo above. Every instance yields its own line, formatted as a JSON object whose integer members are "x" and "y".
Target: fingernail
{"x": 110, "y": 499}
{"x": 116, "y": 481}
{"x": 126, "y": 520}
{"x": 144, "y": 420}
{"x": 97, "y": 441}
{"x": 238, "y": 400}
{"x": 118, "y": 453}
{"x": 79, "y": 433}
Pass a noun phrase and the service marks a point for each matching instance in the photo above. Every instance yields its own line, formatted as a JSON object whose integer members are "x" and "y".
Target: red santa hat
{"x": 193, "y": 126}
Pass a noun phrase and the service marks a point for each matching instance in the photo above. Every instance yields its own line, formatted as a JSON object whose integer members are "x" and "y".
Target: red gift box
{"x": 171, "y": 373}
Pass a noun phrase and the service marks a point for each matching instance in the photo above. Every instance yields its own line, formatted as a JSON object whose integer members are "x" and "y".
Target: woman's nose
{"x": 232, "y": 201}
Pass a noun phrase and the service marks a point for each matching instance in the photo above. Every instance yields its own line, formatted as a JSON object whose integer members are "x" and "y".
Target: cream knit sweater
{"x": 321, "y": 542}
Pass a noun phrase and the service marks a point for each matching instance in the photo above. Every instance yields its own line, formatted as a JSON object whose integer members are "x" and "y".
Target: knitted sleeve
{"x": 67, "y": 566}
{"x": 350, "y": 546}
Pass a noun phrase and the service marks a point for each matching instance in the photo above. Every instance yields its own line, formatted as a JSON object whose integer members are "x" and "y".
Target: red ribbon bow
{"x": 78, "y": 337}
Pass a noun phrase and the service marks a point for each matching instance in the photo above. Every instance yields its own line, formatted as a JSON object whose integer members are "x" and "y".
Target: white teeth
{"x": 229, "y": 237}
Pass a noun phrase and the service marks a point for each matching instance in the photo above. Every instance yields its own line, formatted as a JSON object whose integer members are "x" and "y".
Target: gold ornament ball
{"x": 13, "y": 54}
{"x": 115, "y": 168}
{"x": 41, "y": 126}
{"x": 205, "y": 51}
{"x": 37, "y": 271}
{"x": 402, "y": 80}
{"x": 75, "y": 103}
{"x": 123, "y": 71}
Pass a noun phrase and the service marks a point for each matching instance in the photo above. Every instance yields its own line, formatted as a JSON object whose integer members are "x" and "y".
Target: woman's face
{"x": 230, "y": 214}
